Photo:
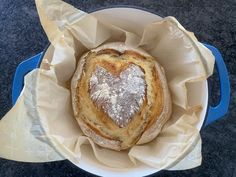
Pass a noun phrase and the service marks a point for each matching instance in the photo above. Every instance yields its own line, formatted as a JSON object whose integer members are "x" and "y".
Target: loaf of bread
{"x": 120, "y": 96}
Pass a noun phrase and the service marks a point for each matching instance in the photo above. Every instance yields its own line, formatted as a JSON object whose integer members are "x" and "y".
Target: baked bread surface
{"x": 120, "y": 96}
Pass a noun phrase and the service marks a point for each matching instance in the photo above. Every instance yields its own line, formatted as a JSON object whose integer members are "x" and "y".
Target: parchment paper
{"x": 73, "y": 32}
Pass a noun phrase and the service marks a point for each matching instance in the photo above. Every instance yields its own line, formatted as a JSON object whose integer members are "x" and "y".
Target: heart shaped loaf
{"x": 120, "y": 96}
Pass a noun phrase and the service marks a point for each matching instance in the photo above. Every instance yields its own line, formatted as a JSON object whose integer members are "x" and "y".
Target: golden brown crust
{"x": 155, "y": 105}
{"x": 154, "y": 128}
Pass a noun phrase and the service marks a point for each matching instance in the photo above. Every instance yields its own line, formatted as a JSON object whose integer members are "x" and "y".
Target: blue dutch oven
{"x": 213, "y": 113}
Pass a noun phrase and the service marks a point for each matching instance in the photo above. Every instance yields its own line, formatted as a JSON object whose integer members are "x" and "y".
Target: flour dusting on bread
{"x": 119, "y": 96}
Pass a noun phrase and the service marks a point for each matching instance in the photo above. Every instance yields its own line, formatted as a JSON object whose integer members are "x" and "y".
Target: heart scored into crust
{"x": 120, "y": 96}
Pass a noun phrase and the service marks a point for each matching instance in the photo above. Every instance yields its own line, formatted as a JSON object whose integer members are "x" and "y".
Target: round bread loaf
{"x": 120, "y": 96}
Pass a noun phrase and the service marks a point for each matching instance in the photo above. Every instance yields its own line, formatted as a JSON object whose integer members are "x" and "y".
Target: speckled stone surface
{"x": 214, "y": 22}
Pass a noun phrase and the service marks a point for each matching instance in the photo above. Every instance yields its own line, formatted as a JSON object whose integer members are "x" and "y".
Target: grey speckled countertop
{"x": 213, "y": 21}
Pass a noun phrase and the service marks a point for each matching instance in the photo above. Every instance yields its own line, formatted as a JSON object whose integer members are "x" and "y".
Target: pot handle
{"x": 22, "y": 69}
{"x": 221, "y": 109}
